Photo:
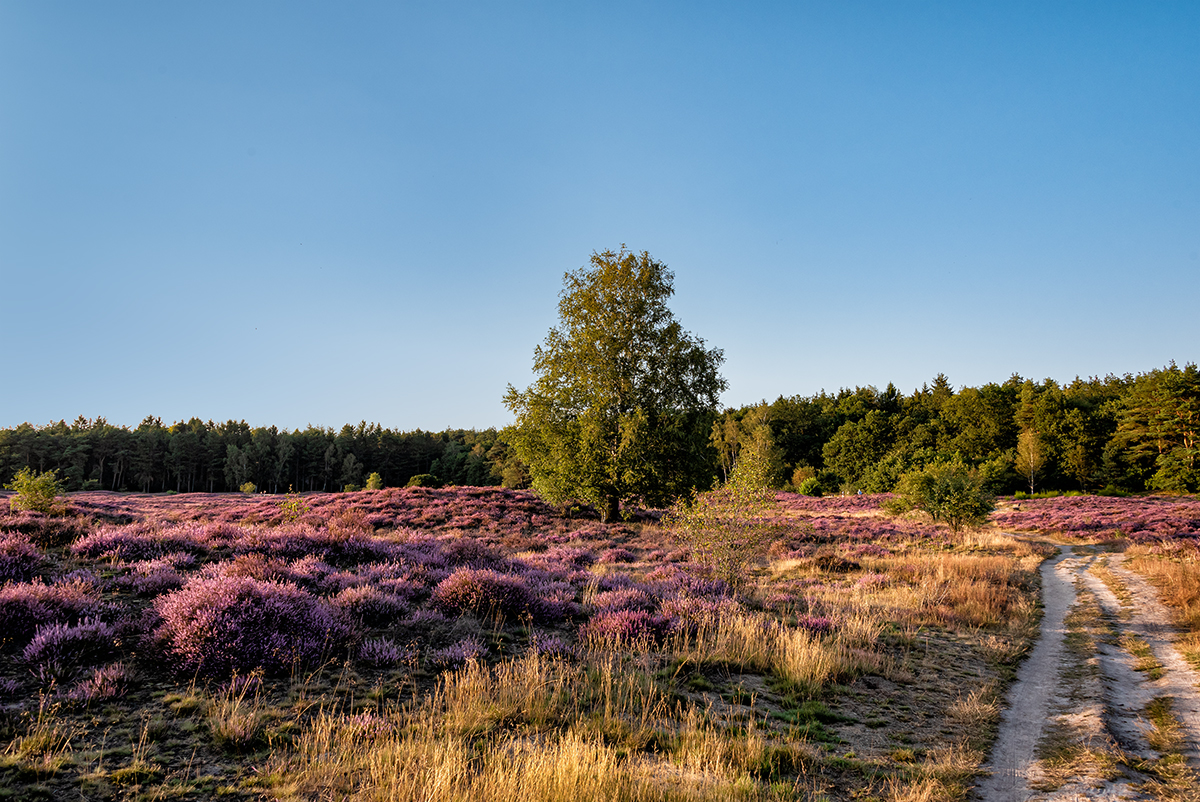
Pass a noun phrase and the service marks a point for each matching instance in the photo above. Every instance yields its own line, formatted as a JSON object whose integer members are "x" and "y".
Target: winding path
{"x": 1046, "y": 690}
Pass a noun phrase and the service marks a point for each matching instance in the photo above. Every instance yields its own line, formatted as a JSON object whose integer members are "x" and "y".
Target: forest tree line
{"x": 198, "y": 456}
{"x": 1117, "y": 433}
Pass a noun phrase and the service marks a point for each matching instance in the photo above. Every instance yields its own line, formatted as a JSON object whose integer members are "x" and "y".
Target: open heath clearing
{"x": 477, "y": 643}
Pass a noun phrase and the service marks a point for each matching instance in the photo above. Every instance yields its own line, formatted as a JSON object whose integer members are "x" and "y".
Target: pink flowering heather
{"x": 140, "y": 542}
{"x": 24, "y": 606}
{"x": 690, "y": 613}
{"x": 336, "y": 546}
{"x": 454, "y": 656}
{"x": 618, "y": 627}
{"x": 384, "y": 653}
{"x": 832, "y": 504}
{"x": 58, "y": 650}
{"x": 152, "y": 577}
{"x": 484, "y": 591}
{"x": 624, "y": 599}
{"x": 219, "y": 625}
{"x": 552, "y": 646}
{"x": 1141, "y": 519}
{"x": 104, "y": 682}
{"x": 617, "y": 555}
{"x": 371, "y": 605}
{"x": 19, "y": 558}
{"x": 44, "y": 530}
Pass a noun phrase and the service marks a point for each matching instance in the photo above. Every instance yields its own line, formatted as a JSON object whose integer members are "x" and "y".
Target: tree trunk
{"x": 611, "y": 509}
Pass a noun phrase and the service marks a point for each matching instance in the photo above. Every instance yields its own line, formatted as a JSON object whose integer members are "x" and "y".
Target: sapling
{"x": 35, "y": 491}
{"x": 729, "y": 527}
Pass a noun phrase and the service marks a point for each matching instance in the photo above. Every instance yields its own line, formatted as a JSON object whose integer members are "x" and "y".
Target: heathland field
{"x": 479, "y": 644}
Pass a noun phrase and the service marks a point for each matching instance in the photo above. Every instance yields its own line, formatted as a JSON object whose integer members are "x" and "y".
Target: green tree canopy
{"x": 625, "y": 398}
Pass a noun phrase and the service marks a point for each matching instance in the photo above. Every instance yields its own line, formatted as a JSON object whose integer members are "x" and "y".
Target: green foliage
{"x": 1031, "y": 456}
{"x": 249, "y": 488}
{"x": 294, "y": 506}
{"x": 374, "y": 481}
{"x": 35, "y": 491}
{"x": 424, "y": 480}
{"x": 351, "y": 488}
{"x": 624, "y": 401}
{"x": 729, "y": 527}
{"x": 810, "y": 487}
{"x": 947, "y": 491}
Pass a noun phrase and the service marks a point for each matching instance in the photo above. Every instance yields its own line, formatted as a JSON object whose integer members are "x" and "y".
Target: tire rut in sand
{"x": 1095, "y": 695}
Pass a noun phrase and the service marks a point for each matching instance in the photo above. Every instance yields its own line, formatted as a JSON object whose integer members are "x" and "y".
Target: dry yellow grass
{"x": 1178, "y": 583}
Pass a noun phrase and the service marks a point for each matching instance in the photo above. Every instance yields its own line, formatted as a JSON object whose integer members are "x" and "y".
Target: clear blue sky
{"x": 301, "y": 213}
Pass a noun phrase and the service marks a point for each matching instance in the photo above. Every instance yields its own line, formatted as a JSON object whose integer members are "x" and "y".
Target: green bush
{"x": 35, "y": 491}
{"x": 351, "y": 488}
{"x": 810, "y": 487}
{"x": 249, "y": 488}
{"x": 294, "y": 507}
{"x": 1113, "y": 490}
{"x": 375, "y": 482}
{"x": 424, "y": 480}
{"x": 948, "y": 491}
{"x": 729, "y": 528}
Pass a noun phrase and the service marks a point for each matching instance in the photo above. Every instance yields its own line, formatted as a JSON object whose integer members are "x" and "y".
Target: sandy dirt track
{"x": 1090, "y": 694}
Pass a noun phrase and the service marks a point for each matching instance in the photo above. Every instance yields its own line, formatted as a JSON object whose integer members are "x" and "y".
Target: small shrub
{"x": 293, "y": 507}
{"x": 374, "y": 482}
{"x": 105, "y": 682}
{"x": 249, "y": 488}
{"x": 456, "y": 655}
{"x": 810, "y": 487}
{"x": 24, "y": 606}
{"x": 225, "y": 624}
{"x": 486, "y": 592}
{"x": 351, "y": 488}
{"x": 384, "y": 653}
{"x": 371, "y": 605}
{"x": 19, "y": 558}
{"x": 424, "y": 480}
{"x": 624, "y": 626}
{"x": 35, "y": 491}
{"x": 948, "y": 491}
{"x": 58, "y": 650}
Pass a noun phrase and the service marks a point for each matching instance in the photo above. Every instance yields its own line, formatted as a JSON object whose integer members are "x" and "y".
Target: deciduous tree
{"x": 624, "y": 399}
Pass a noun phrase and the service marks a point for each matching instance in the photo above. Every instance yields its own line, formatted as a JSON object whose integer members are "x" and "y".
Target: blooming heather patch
{"x": 617, "y": 555}
{"x": 45, "y": 530}
{"x": 689, "y": 613}
{"x": 19, "y": 558}
{"x": 24, "y": 606}
{"x": 867, "y": 502}
{"x": 1141, "y": 519}
{"x": 484, "y": 591}
{"x": 144, "y": 541}
{"x": 371, "y": 605}
{"x": 57, "y": 650}
{"x": 454, "y": 656}
{"x": 336, "y": 545}
{"x": 618, "y": 627}
{"x": 631, "y": 598}
{"x": 384, "y": 653}
{"x": 552, "y": 646}
{"x": 104, "y": 682}
{"x": 153, "y": 577}
{"x": 219, "y": 625}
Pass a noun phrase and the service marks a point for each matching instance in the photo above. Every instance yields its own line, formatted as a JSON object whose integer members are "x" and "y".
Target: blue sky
{"x": 296, "y": 213}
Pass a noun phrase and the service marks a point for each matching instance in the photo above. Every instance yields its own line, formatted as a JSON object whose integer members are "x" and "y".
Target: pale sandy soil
{"x": 1079, "y": 693}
